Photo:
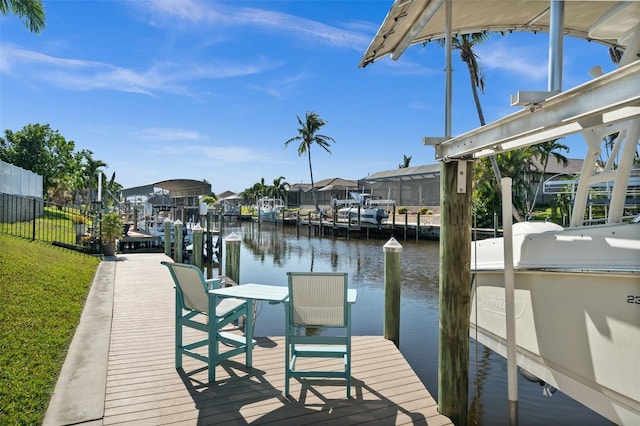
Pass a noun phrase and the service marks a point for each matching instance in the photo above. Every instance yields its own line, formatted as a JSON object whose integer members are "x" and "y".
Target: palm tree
{"x": 251, "y": 195}
{"x": 307, "y": 135}
{"x": 465, "y": 43}
{"x": 279, "y": 188}
{"x": 31, "y": 12}
{"x": 543, "y": 151}
{"x": 113, "y": 188}
{"x": 89, "y": 173}
{"x": 515, "y": 163}
{"x": 405, "y": 162}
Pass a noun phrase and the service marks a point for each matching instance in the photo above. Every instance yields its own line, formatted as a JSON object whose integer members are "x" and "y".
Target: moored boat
{"x": 269, "y": 208}
{"x": 361, "y": 208}
{"x": 576, "y": 298}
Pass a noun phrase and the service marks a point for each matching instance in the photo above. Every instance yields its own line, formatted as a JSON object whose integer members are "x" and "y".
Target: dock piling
{"x": 232, "y": 257}
{"x": 177, "y": 249}
{"x": 392, "y": 283}
{"x": 454, "y": 290}
{"x": 209, "y": 236}
{"x": 197, "y": 245}
{"x": 167, "y": 241}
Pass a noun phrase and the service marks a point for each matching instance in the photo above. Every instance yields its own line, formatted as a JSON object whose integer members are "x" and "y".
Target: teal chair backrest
{"x": 318, "y": 299}
{"x": 191, "y": 286}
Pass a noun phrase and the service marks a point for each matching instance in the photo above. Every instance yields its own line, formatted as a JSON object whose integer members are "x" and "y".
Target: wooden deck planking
{"x": 144, "y": 388}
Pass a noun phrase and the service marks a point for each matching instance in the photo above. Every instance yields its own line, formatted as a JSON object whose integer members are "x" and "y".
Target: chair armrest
{"x": 352, "y": 295}
{"x": 212, "y": 283}
{"x": 229, "y": 304}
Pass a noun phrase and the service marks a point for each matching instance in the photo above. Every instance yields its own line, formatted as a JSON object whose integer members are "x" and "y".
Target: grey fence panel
{"x": 18, "y": 181}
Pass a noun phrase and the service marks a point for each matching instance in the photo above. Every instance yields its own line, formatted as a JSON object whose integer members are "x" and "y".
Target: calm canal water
{"x": 268, "y": 252}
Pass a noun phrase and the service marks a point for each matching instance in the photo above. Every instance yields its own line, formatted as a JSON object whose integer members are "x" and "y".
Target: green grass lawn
{"x": 42, "y": 292}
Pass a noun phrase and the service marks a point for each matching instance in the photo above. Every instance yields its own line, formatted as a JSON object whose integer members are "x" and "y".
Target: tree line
{"x": 68, "y": 176}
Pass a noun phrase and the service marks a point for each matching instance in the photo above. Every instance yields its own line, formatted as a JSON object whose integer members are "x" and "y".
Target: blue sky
{"x": 210, "y": 90}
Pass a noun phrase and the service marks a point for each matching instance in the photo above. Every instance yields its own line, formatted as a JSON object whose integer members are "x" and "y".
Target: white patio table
{"x": 269, "y": 293}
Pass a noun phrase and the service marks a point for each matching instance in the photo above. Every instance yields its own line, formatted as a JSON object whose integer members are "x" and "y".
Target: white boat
{"x": 216, "y": 249}
{"x": 576, "y": 290}
{"x": 577, "y": 310}
{"x": 155, "y": 226}
{"x": 269, "y": 208}
{"x": 152, "y": 225}
{"x": 361, "y": 208}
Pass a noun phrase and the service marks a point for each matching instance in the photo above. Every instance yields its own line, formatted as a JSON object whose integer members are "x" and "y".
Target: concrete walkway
{"x": 79, "y": 396}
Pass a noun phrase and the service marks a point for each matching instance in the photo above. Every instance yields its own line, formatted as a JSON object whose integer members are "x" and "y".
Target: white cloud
{"x": 78, "y": 74}
{"x": 418, "y": 105}
{"x": 216, "y": 155}
{"x": 405, "y": 66}
{"x": 13, "y": 58}
{"x": 215, "y": 17}
{"x": 229, "y": 154}
{"x": 167, "y": 134}
{"x": 513, "y": 59}
{"x": 280, "y": 87}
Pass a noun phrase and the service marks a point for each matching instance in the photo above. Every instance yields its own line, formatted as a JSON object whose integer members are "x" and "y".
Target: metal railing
{"x": 36, "y": 219}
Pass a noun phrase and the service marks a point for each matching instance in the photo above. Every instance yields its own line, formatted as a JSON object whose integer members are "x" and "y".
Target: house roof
{"x": 226, "y": 194}
{"x": 573, "y": 166}
{"x": 336, "y": 184}
{"x": 176, "y": 188}
{"x": 329, "y": 184}
{"x": 405, "y": 173}
{"x": 410, "y": 22}
{"x": 304, "y": 187}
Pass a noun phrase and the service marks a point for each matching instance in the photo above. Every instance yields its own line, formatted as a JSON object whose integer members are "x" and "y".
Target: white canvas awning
{"x": 421, "y": 21}
{"x": 604, "y": 101}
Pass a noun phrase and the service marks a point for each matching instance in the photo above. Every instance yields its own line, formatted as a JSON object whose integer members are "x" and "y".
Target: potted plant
{"x": 79, "y": 225}
{"x": 110, "y": 230}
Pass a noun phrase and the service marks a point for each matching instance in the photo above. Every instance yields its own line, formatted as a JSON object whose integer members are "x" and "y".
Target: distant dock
{"x": 405, "y": 227}
{"x": 135, "y": 240}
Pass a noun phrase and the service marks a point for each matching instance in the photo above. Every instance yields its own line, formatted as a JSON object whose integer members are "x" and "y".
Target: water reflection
{"x": 268, "y": 252}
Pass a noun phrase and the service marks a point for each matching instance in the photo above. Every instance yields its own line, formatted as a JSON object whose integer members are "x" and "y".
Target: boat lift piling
{"x": 454, "y": 290}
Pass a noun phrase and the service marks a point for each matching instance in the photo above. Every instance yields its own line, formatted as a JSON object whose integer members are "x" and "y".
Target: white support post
{"x": 509, "y": 290}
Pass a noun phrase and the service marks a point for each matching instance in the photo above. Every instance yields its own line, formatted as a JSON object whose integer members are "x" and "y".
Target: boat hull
{"x": 576, "y": 330}
{"x": 269, "y": 215}
{"x": 367, "y": 215}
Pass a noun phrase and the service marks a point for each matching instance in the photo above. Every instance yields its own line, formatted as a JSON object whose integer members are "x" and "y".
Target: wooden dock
{"x": 404, "y": 230}
{"x": 144, "y": 388}
{"x": 136, "y": 240}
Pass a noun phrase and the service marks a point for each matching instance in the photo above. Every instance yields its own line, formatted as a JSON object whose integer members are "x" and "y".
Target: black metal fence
{"x": 36, "y": 219}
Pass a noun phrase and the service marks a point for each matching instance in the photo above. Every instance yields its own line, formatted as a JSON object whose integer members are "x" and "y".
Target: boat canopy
{"x": 176, "y": 188}
{"x": 412, "y": 22}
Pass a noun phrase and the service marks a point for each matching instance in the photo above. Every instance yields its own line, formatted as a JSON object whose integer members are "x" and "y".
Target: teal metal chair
{"x": 196, "y": 308}
{"x": 317, "y": 300}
